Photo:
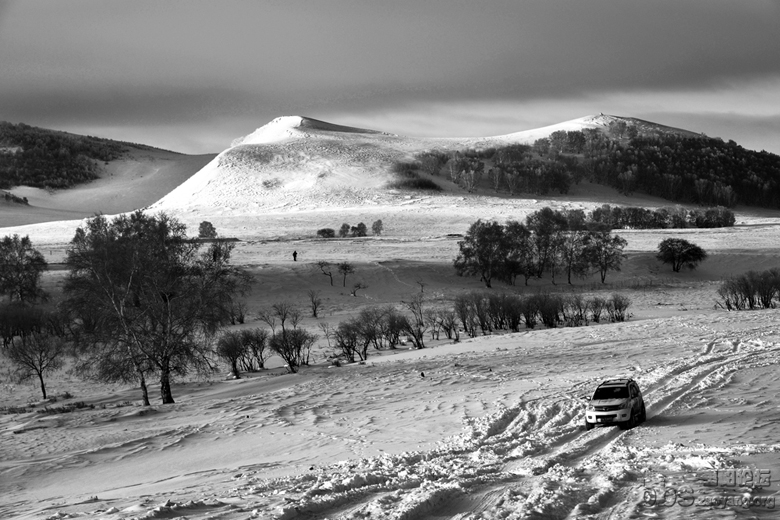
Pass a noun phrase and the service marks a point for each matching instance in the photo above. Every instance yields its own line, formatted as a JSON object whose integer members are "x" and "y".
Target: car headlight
{"x": 590, "y": 407}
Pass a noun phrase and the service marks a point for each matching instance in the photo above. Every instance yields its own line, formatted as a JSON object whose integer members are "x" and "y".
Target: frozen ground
{"x": 488, "y": 428}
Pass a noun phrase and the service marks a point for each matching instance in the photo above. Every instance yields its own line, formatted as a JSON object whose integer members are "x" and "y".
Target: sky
{"x": 192, "y": 75}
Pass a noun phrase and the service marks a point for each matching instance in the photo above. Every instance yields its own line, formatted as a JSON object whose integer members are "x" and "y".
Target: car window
{"x": 611, "y": 392}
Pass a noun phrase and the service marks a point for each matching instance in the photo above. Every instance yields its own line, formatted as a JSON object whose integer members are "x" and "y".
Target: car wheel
{"x": 630, "y": 423}
{"x": 589, "y": 426}
{"x": 643, "y": 415}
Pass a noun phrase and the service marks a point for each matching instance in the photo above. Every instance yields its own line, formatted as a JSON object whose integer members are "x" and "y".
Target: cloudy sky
{"x": 191, "y": 75}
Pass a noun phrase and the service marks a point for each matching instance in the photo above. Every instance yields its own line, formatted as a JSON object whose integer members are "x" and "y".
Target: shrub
{"x": 751, "y": 290}
{"x": 550, "y": 309}
{"x": 617, "y": 306}
{"x": 231, "y": 348}
{"x": 597, "y": 306}
{"x": 405, "y": 167}
{"x": 255, "y": 342}
{"x": 414, "y": 184}
{"x": 293, "y": 346}
{"x": 326, "y": 233}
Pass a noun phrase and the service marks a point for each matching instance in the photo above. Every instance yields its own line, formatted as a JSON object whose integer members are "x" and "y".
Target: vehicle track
{"x": 532, "y": 460}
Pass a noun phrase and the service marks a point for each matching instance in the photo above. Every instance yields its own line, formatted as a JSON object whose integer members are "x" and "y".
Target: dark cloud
{"x": 145, "y": 62}
{"x": 758, "y": 132}
{"x": 124, "y": 105}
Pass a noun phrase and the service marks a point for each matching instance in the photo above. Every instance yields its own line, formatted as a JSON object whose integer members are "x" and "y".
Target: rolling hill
{"x": 301, "y": 163}
{"x": 65, "y": 176}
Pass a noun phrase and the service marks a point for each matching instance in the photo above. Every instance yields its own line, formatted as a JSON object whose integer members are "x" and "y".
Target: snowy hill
{"x": 296, "y": 162}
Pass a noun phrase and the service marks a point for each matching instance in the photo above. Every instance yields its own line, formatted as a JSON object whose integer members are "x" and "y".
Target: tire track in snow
{"x": 684, "y": 377}
{"x": 529, "y": 461}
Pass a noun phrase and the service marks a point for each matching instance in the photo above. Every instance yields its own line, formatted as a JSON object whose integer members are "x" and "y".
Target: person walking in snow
{"x": 295, "y": 256}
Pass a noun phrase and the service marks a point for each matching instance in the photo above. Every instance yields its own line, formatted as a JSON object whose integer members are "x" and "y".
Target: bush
{"x": 326, "y": 233}
{"x": 414, "y": 184}
{"x": 231, "y": 348}
{"x": 617, "y": 306}
{"x": 751, "y": 290}
{"x": 293, "y": 346}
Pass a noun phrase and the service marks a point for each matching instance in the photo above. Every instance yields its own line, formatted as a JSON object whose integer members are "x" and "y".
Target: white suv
{"x": 616, "y": 401}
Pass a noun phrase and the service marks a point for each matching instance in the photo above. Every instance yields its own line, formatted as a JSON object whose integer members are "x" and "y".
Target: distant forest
{"x": 47, "y": 159}
{"x": 685, "y": 169}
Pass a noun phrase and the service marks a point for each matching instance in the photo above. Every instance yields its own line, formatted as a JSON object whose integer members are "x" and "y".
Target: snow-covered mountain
{"x": 303, "y": 163}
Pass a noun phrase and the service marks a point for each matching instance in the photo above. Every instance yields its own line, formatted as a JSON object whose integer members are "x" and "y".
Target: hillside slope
{"x": 295, "y": 162}
{"x": 136, "y": 180}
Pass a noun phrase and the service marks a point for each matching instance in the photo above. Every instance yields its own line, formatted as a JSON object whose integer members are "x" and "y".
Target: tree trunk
{"x": 144, "y": 390}
{"x": 43, "y": 386}
{"x": 165, "y": 387}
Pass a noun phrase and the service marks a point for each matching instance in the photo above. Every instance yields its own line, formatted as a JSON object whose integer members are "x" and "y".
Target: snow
{"x": 492, "y": 430}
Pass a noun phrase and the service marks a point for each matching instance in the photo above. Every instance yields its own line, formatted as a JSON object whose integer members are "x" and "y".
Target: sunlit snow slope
{"x": 296, "y": 162}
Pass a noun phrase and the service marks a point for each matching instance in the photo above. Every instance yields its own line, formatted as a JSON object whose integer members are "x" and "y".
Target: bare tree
{"x": 36, "y": 354}
{"x": 315, "y": 301}
{"x": 357, "y": 287}
{"x": 346, "y": 268}
{"x": 326, "y": 270}
{"x": 283, "y": 312}
{"x": 295, "y": 317}
{"x": 231, "y": 348}
{"x": 327, "y": 331}
{"x": 268, "y": 316}
{"x": 255, "y": 342}
{"x": 417, "y": 326}
{"x": 449, "y": 323}
{"x": 293, "y": 346}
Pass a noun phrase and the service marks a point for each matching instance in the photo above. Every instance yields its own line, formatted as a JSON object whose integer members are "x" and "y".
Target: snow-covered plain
{"x": 489, "y": 427}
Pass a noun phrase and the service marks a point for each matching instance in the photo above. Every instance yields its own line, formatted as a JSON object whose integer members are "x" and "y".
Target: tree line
{"x": 48, "y": 159}
{"x": 386, "y": 327}
{"x": 346, "y": 230}
{"x": 10, "y": 197}
{"x": 697, "y": 170}
{"x": 549, "y": 242}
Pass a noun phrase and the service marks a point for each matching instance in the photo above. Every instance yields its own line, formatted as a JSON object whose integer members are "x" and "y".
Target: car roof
{"x": 616, "y": 382}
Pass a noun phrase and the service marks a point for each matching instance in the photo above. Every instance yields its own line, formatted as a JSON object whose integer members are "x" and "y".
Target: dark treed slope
{"x": 42, "y": 158}
{"x": 630, "y": 155}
